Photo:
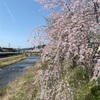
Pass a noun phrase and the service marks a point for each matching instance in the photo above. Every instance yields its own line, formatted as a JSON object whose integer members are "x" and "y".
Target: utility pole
{"x": 9, "y": 45}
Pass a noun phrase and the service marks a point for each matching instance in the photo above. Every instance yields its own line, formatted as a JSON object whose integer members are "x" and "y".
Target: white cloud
{"x": 9, "y": 11}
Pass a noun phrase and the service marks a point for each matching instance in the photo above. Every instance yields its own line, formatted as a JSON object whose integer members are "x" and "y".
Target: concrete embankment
{"x": 12, "y": 59}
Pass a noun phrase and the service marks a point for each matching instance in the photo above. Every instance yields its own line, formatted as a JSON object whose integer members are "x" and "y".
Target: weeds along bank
{"x": 12, "y": 59}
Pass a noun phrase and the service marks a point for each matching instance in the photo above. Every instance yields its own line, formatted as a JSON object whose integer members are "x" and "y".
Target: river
{"x": 10, "y": 72}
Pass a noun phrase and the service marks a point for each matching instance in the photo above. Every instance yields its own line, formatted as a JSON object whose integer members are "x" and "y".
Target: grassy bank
{"x": 21, "y": 88}
{"x": 12, "y": 59}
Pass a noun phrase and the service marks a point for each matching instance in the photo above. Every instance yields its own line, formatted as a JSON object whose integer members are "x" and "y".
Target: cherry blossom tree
{"x": 76, "y": 20}
{"x": 72, "y": 26}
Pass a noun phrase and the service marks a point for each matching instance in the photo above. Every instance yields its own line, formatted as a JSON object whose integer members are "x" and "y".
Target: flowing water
{"x": 10, "y": 72}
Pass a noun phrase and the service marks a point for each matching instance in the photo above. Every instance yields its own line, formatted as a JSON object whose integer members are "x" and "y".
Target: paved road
{"x": 9, "y": 53}
{"x": 10, "y": 72}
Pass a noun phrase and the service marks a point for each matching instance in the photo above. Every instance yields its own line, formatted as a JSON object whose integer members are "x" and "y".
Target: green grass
{"x": 12, "y": 59}
{"x": 84, "y": 89}
{"x": 2, "y": 91}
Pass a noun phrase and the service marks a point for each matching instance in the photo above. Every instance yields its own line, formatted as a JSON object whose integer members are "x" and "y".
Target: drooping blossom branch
{"x": 72, "y": 28}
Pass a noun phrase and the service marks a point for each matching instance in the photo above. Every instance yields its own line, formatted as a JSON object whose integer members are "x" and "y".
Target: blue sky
{"x": 17, "y": 18}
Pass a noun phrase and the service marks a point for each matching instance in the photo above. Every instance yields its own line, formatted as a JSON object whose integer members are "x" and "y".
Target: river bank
{"x": 11, "y": 60}
{"x": 21, "y": 88}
